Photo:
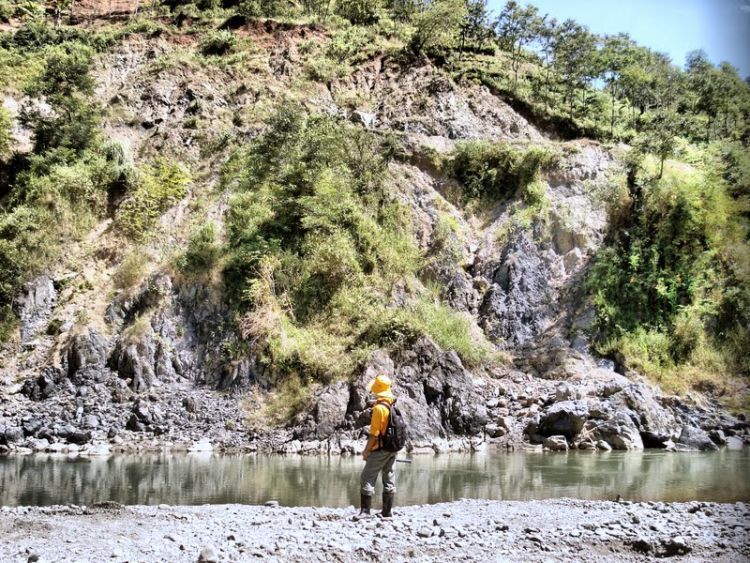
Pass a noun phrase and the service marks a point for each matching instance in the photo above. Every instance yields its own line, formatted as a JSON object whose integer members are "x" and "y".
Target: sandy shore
{"x": 467, "y": 530}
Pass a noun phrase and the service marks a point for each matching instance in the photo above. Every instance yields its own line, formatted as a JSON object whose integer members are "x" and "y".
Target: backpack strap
{"x": 388, "y": 405}
{"x": 385, "y": 403}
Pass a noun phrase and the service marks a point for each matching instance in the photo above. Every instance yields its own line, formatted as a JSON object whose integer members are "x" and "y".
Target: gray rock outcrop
{"x": 35, "y": 305}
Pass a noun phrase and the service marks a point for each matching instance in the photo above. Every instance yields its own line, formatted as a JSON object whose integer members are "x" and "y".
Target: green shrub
{"x": 62, "y": 188}
{"x": 359, "y": 12}
{"x": 8, "y": 322}
{"x": 203, "y": 252}
{"x": 289, "y": 398}
{"x": 262, "y": 8}
{"x": 437, "y": 25}
{"x": 347, "y": 47}
{"x": 67, "y": 86}
{"x": 6, "y": 135}
{"x": 36, "y": 35}
{"x": 314, "y": 240}
{"x": 159, "y": 186}
{"x": 219, "y": 43}
{"x": 324, "y": 69}
{"x": 7, "y": 11}
{"x": 131, "y": 271}
{"x": 498, "y": 171}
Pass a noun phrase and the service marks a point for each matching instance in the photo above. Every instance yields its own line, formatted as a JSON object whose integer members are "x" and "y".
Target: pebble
{"x": 424, "y": 532}
{"x": 676, "y": 546}
{"x": 272, "y": 504}
{"x": 641, "y": 545}
{"x": 208, "y": 555}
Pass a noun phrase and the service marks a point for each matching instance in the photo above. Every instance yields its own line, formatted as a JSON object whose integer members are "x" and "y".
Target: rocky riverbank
{"x": 467, "y": 530}
{"x": 586, "y": 405}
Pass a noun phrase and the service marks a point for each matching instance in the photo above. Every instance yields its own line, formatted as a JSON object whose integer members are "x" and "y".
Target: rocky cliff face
{"x": 155, "y": 365}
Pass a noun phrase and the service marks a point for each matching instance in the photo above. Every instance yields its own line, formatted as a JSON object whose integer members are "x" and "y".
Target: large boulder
{"x": 696, "y": 438}
{"x": 655, "y": 423}
{"x": 556, "y": 443}
{"x": 565, "y": 418}
{"x": 619, "y": 432}
{"x": 330, "y": 409}
{"x": 13, "y": 434}
{"x": 85, "y": 357}
{"x": 146, "y": 353}
{"x": 145, "y": 417}
{"x": 134, "y": 362}
{"x": 443, "y": 398}
{"x": 43, "y": 386}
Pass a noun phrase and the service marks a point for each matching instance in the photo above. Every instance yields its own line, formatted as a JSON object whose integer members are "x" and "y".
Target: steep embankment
{"x": 111, "y": 353}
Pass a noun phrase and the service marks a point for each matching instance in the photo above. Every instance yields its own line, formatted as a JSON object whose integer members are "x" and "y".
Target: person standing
{"x": 378, "y": 459}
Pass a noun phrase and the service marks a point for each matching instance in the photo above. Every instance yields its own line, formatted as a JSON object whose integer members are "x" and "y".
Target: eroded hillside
{"x": 205, "y": 317}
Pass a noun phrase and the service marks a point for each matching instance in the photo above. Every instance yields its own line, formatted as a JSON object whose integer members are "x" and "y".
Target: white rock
{"x": 604, "y": 446}
{"x": 39, "y": 445}
{"x": 99, "y": 449}
{"x": 201, "y": 446}
{"x": 734, "y": 443}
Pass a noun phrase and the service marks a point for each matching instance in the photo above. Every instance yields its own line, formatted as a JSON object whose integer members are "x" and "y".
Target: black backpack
{"x": 395, "y": 435}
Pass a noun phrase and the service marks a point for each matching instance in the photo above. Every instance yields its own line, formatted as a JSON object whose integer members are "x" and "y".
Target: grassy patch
{"x": 131, "y": 271}
{"x": 272, "y": 409}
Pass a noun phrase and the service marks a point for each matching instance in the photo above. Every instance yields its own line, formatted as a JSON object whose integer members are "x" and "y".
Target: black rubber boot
{"x": 365, "y": 504}
{"x": 387, "y": 504}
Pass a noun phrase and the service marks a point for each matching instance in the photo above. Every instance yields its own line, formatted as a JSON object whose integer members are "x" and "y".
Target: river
{"x": 193, "y": 479}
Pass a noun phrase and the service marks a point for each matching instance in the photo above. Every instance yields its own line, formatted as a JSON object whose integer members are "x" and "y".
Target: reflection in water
{"x": 309, "y": 481}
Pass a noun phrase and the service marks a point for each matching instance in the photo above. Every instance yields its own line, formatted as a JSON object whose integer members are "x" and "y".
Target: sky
{"x": 719, "y": 27}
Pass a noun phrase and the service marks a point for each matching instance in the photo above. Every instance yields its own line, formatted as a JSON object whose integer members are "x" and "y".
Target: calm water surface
{"x": 315, "y": 481}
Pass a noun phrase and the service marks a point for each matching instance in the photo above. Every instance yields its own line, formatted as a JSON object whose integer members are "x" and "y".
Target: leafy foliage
{"x": 670, "y": 288}
{"x": 219, "y": 43}
{"x": 157, "y": 188}
{"x": 497, "y": 171}
{"x": 438, "y": 25}
{"x": 203, "y": 251}
{"x": 63, "y": 186}
{"x": 359, "y": 12}
{"x": 131, "y": 271}
{"x": 6, "y": 136}
{"x": 66, "y": 85}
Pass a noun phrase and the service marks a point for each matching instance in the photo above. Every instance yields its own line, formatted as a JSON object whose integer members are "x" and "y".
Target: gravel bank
{"x": 553, "y": 530}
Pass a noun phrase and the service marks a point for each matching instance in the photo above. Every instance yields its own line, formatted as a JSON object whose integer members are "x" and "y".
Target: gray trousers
{"x": 377, "y": 461}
